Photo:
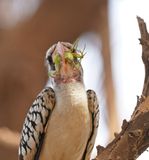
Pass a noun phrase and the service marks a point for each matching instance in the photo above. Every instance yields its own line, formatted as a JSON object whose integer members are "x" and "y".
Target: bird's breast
{"x": 69, "y": 125}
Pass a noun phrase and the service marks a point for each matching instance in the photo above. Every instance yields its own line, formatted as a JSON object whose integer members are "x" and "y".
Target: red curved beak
{"x": 61, "y": 49}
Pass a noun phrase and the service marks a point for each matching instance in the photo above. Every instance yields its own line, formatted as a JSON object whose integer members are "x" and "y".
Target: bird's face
{"x": 64, "y": 63}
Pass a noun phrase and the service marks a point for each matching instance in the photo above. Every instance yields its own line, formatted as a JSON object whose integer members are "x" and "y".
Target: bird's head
{"x": 64, "y": 63}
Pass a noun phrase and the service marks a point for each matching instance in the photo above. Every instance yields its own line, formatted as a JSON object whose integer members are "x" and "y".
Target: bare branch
{"x": 134, "y": 136}
{"x": 144, "y": 41}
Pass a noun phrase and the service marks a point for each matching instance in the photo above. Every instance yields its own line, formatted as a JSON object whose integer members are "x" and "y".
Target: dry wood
{"x": 133, "y": 139}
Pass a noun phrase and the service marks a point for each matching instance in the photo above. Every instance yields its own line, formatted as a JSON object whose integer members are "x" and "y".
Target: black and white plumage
{"x": 62, "y": 123}
{"x": 35, "y": 123}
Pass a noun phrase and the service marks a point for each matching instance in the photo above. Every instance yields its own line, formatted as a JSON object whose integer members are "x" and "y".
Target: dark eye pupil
{"x": 51, "y": 62}
{"x": 49, "y": 59}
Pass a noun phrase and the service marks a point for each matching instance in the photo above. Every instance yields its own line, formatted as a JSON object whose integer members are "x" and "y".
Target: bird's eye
{"x": 51, "y": 63}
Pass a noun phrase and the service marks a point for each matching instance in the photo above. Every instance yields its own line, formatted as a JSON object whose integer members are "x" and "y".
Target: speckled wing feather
{"x": 35, "y": 125}
{"x": 94, "y": 111}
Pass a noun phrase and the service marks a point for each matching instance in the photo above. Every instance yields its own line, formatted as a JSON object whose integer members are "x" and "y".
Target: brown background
{"x": 22, "y": 51}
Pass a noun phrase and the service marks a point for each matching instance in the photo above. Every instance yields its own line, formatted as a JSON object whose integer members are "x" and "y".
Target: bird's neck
{"x": 70, "y": 88}
{"x": 71, "y": 93}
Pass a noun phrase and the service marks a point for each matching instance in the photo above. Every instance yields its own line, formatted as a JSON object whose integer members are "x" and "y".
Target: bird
{"x": 63, "y": 120}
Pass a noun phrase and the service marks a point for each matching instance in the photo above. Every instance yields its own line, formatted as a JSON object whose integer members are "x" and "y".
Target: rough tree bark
{"x": 133, "y": 139}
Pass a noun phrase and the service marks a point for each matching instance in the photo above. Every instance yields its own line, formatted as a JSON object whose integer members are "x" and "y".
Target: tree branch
{"x": 144, "y": 41}
{"x": 133, "y": 139}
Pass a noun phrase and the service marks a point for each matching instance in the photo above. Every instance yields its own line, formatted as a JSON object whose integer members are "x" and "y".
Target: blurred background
{"x": 112, "y": 66}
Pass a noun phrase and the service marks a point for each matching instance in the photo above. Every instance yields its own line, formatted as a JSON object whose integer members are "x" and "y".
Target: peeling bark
{"x": 133, "y": 139}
